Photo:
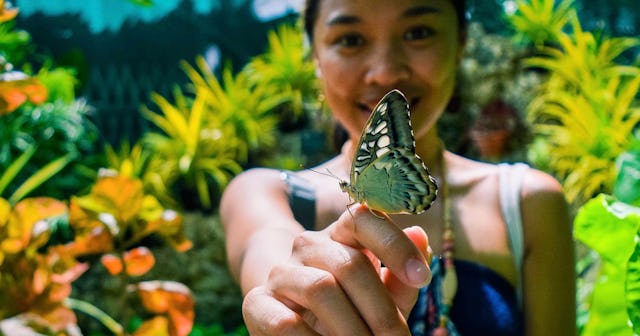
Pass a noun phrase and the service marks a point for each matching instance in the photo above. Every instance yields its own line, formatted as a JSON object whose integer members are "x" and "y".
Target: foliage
{"x": 541, "y": 21}
{"x": 40, "y": 111}
{"x": 287, "y": 69}
{"x": 586, "y": 110}
{"x": 225, "y": 123}
{"x": 193, "y": 150}
{"x": 13, "y": 43}
{"x": 35, "y": 283}
{"x": 34, "y": 181}
{"x": 584, "y": 117}
{"x": 36, "y": 272}
{"x": 611, "y": 228}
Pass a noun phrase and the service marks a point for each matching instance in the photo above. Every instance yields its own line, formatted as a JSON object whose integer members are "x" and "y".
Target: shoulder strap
{"x": 510, "y": 176}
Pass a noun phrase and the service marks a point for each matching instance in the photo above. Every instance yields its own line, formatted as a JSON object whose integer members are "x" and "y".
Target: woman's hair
{"x": 311, "y": 13}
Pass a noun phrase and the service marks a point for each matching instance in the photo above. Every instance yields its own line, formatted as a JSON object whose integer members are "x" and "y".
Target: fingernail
{"x": 417, "y": 272}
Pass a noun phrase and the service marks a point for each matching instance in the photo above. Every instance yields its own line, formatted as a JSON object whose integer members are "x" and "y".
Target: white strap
{"x": 510, "y": 177}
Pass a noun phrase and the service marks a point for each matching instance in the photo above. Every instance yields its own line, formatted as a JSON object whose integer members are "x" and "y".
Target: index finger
{"x": 359, "y": 228}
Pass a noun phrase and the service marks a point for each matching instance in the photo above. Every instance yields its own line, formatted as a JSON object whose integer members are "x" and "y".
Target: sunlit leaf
{"x": 171, "y": 298}
{"x": 632, "y": 286}
{"x": 608, "y": 227}
{"x": 95, "y": 241}
{"x": 138, "y": 261}
{"x": 112, "y": 263}
{"x": 170, "y": 226}
{"x": 156, "y": 326}
{"x": 7, "y": 13}
{"x": 59, "y": 318}
{"x": 5, "y": 210}
{"x": 27, "y": 223}
{"x": 16, "y": 90}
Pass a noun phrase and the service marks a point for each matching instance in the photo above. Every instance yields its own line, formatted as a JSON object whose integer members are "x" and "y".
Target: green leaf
{"x": 627, "y": 184}
{"x": 608, "y": 227}
{"x": 607, "y": 309}
{"x": 15, "y": 167}
{"x": 632, "y": 286}
{"x": 40, "y": 177}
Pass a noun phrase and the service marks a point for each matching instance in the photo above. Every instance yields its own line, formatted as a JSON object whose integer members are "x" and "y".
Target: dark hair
{"x": 311, "y": 13}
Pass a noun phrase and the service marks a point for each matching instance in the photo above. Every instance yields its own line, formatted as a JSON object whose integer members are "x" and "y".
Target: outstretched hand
{"x": 334, "y": 283}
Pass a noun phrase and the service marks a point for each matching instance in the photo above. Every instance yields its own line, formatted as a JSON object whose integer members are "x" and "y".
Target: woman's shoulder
{"x": 533, "y": 181}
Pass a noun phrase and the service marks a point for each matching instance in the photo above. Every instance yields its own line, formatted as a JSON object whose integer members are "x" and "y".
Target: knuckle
{"x": 284, "y": 322}
{"x": 303, "y": 240}
{"x": 351, "y": 263}
{"x": 322, "y": 284}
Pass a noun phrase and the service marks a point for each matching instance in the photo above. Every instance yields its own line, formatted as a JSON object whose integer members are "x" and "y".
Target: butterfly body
{"x": 386, "y": 174}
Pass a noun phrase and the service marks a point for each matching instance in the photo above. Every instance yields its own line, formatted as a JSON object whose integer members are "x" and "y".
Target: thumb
{"x": 403, "y": 295}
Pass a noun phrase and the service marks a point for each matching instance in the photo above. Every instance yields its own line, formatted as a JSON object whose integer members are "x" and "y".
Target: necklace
{"x": 449, "y": 285}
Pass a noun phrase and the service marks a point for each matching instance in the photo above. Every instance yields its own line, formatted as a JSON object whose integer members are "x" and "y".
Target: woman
{"x": 329, "y": 280}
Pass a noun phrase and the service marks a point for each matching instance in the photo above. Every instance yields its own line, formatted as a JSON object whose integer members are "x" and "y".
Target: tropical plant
{"x": 287, "y": 68}
{"x": 541, "y": 21}
{"x": 39, "y": 109}
{"x": 189, "y": 153}
{"x": 112, "y": 221}
{"x": 610, "y": 226}
{"x": 586, "y": 110}
{"x": 584, "y": 117}
{"x": 37, "y": 270}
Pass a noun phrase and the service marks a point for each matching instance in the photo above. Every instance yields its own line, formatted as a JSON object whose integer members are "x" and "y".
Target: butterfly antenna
{"x": 328, "y": 173}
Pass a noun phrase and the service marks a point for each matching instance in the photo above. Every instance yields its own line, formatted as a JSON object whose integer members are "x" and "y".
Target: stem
{"x": 95, "y": 312}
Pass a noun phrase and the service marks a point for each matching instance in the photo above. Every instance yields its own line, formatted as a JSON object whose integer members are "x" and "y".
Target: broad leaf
{"x": 632, "y": 287}
{"x": 608, "y": 227}
{"x": 627, "y": 185}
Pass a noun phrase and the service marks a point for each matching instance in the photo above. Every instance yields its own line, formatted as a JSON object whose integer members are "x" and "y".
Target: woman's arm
{"x": 259, "y": 225}
{"x": 549, "y": 261}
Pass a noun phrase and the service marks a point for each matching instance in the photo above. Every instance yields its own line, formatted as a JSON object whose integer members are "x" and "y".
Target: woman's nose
{"x": 388, "y": 66}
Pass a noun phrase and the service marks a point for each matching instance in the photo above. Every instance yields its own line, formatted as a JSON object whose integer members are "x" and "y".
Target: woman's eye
{"x": 418, "y": 33}
{"x": 350, "y": 40}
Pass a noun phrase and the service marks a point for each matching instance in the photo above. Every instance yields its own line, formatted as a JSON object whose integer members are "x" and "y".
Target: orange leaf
{"x": 16, "y": 88}
{"x": 58, "y": 317}
{"x": 25, "y": 223}
{"x": 172, "y": 298}
{"x": 11, "y": 99}
{"x": 41, "y": 279}
{"x": 37, "y": 93}
{"x": 5, "y": 212}
{"x": 171, "y": 226}
{"x": 123, "y": 196}
{"x": 139, "y": 261}
{"x": 157, "y": 326}
{"x": 7, "y": 13}
{"x": 112, "y": 263}
{"x": 59, "y": 292}
{"x": 96, "y": 241}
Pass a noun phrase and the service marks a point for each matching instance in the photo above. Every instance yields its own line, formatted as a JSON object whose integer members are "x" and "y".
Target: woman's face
{"x": 365, "y": 48}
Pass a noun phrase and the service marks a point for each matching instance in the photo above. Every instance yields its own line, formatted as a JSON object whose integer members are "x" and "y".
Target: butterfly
{"x": 386, "y": 173}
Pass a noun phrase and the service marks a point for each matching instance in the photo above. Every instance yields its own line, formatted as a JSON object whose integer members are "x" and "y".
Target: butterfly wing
{"x": 386, "y": 173}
